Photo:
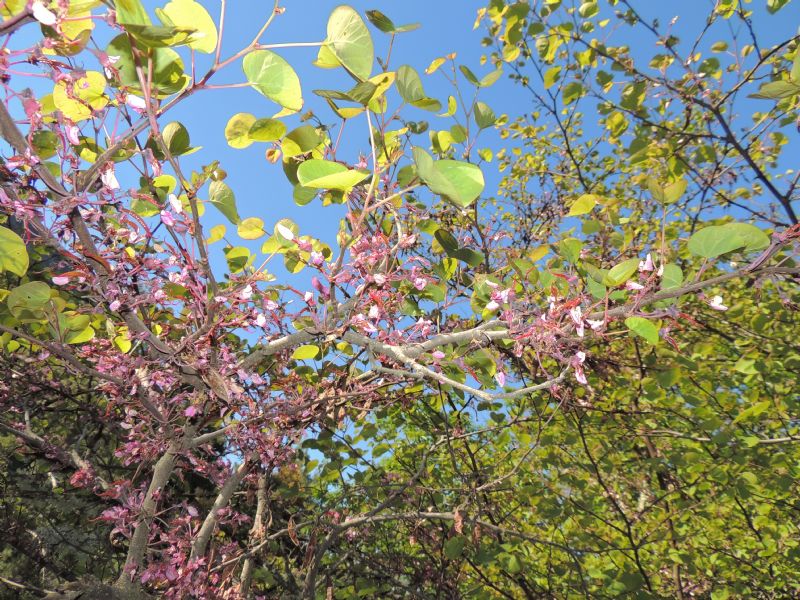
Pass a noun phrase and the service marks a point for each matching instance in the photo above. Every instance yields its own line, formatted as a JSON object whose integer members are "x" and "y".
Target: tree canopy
{"x": 549, "y": 353}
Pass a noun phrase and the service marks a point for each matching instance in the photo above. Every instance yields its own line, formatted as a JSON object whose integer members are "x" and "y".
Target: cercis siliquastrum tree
{"x": 215, "y": 374}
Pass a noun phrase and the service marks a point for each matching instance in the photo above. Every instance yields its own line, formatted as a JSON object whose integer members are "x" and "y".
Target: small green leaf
{"x": 168, "y": 75}
{"x": 28, "y": 297}
{"x": 583, "y": 205}
{"x": 221, "y": 196}
{"x": 237, "y": 131}
{"x": 306, "y": 352}
{"x": 188, "y": 13}
{"x": 13, "y": 254}
{"x": 484, "y": 115}
{"x": 459, "y": 182}
{"x": 267, "y": 130}
{"x": 409, "y": 86}
{"x": 131, "y": 12}
{"x": 385, "y": 24}
{"x": 454, "y": 547}
{"x": 777, "y": 90}
{"x": 643, "y": 328}
{"x": 251, "y": 228}
{"x": 752, "y": 412}
{"x": 274, "y": 78}
{"x": 672, "y": 277}
{"x": 620, "y": 273}
{"x": 327, "y": 174}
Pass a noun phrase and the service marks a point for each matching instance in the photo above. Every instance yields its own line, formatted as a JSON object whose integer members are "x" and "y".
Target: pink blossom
{"x": 646, "y": 265}
{"x": 260, "y": 320}
{"x": 135, "y": 102}
{"x": 577, "y": 317}
{"x": 60, "y": 280}
{"x": 492, "y": 305}
{"x": 633, "y": 286}
{"x": 190, "y": 411}
{"x": 309, "y": 298}
{"x": 500, "y": 378}
{"x": 167, "y": 218}
{"x": 716, "y": 303}
{"x": 109, "y": 179}
{"x": 379, "y": 278}
{"x": 303, "y": 245}
{"x": 374, "y": 312}
{"x": 72, "y": 134}
{"x": 247, "y": 292}
{"x": 420, "y": 283}
{"x": 175, "y": 203}
{"x": 316, "y": 258}
{"x": 437, "y": 355}
{"x": 595, "y": 325}
{"x": 577, "y": 366}
{"x": 114, "y": 306}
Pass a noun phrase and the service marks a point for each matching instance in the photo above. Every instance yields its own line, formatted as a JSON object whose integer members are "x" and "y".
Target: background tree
{"x": 585, "y": 385}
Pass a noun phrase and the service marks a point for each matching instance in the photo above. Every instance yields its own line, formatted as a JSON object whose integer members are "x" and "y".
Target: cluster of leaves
{"x": 583, "y": 386}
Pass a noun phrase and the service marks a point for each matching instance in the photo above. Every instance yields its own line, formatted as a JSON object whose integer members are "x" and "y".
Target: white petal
{"x": 42, "y": 14}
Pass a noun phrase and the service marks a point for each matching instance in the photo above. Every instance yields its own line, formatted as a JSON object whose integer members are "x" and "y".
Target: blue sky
{"x": 446, "y": 26}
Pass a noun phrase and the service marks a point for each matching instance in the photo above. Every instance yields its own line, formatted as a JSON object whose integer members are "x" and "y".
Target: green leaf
{"x": 251, "y": 228}
{"x": 777, "y": 90}
{"x": 13, "y": 254}
{"x": 385, "y": 24}
{"x": 301, "y": 140}
{"x": 459, "y": 182}
{"x": 168, "y": 76}
{"x": 754, "y": 238}
{"x": 752, "y": 412}
{"x": 87, "y": 95}
{"x": 221, "y": 196}
{"x": 350, "y": 42}
{"x": 469, "y": 75}
{"x": 620, "y": 273}
{"x": 484, "y": 115}
{"x": 176, "y": 138}
{"x": 188, "y": 13}
{"x": 157, "y": 36}
{"x": 454, "y": 547}
{"x": 717, "y": 240}
{"x": 551, "y": 76}
{"x": 794, "y": 74}
{"x": 446, "y": 240}
{"x": 711, "y": 242}
{"x": 583, "y": 205}
{"x": 305, "y": 352}
{"x": 409, "y": 86}
{"x": 570, "y": 249}
{"x": 131, "y": 12}
{"x": 267, "y": 130}
{"x": 326, "y": 174}
{"x": 216, "y": 233}
{"x": 237, "y": 131}
{"x": 237, "y": 258}
{"x": 272, "y": 76}
{"x": 643, "y": 328}
{"x": 672, "y": 277}
{"x": 490, "y": 79}
{"x": 29, "y": 297}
